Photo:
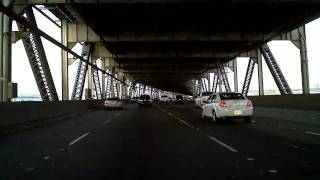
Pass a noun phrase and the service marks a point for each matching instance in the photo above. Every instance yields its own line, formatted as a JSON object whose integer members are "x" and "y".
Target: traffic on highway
{"x": 168, "y": 140}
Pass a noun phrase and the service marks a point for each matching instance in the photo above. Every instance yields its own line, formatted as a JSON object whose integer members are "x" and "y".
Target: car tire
{"x": 248, "y": 119}
{"x": 203, "y": 116}
{"x": 214, "y": 117}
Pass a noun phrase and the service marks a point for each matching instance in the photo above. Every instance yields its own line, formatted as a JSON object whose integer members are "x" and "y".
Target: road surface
{"x": 166, "y": 142}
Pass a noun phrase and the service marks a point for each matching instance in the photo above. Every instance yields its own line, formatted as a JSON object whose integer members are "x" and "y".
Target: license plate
{"x": 237, "y": 112}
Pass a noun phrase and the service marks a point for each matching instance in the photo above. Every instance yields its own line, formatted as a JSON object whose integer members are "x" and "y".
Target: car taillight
{"x": 249, "y": 103}
{"x": 222, "y": 104}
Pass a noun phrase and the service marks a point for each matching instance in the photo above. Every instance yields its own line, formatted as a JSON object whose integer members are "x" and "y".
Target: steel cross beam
{"x": 29, "y": 26}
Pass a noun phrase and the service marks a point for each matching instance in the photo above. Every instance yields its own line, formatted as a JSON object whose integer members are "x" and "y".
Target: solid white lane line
{"x": 317, "y": 134}
{"x": 79, "y": 138}
{"x": 222, "y": 144}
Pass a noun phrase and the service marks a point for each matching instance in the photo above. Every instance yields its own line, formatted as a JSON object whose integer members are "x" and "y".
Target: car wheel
{"x": 248, "y": 119}
{"x": 215, "y": 119}
{"x": 203, "y": 116}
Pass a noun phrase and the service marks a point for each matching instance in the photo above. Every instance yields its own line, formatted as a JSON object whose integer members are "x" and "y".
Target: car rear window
{"x": 112, "y": 99}
{"x": 147, "y": 97}
{"x": 206, "y": 93}
{"x": 231, "y": 96}
{"x": 179, "y": 97}
{"x": 164, "y": 96}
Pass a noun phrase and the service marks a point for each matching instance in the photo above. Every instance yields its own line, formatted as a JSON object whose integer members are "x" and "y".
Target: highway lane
{"x": 163, "y": 142}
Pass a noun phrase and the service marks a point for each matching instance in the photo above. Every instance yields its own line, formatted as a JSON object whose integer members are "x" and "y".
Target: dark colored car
{"x": 144, "y": 100}
{"x": 179, "y": 99}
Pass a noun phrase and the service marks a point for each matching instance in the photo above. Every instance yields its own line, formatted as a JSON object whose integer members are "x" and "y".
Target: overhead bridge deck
{"x": 153, "y": 41}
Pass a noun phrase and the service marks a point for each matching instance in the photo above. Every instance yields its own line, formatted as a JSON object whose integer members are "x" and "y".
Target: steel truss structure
{"x": 81, "y": 73}
{"x": 249, "y": 73}
{"x": 275, "y": 70}
{"x": 224, "y": 78}
{"x": 96, "y": 84}
{"x": 38, "y": 61}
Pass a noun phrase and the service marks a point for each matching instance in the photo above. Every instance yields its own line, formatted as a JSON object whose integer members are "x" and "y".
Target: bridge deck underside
{"x": 167, "y": 44}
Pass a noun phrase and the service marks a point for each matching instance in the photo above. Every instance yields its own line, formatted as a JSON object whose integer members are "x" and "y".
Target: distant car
{"x": 135, "y": 99}
{"x": 164, "y": 99}
{"x": 113, "y": 103}
{"x": 225, "y": 105}
{"x": 199, "y": 101}
{"x": 179, "y": 99}
{"x": 144, "y": 100}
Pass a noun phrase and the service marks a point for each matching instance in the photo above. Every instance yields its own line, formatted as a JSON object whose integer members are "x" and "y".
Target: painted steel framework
{"x": 38, "y": 61}
{"x": 275, "y": 70}
{"x": 249, "y": 73}
{"x": 81, "y": 73}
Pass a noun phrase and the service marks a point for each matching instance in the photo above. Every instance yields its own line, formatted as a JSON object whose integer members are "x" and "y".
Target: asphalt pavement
{"x": 167, "y": 142}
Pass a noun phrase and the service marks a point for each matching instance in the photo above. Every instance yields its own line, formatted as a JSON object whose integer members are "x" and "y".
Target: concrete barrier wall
{"x": 303, "y": 102}
{"x": 20, "y": 112}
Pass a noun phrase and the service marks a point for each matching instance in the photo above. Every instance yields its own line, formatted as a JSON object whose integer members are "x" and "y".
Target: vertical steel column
{"x": 209, "y": 82}
{"x": 219, "y": 80}
{"x": 81, "y": 73}
{"x": 90, "y": 80}
{"x": 304, "y": 60}
{"x": 224, "y": 78}
{"x": 235, "y": 75}
{"x": 6, "y": 54}
{"x": 260, "y": 73}
{"x": 64, "y": 61}
{"x": 1, "y": 59}
{"x": 249, "y": 73}
{"x": 103, "y": 80}
{"x": 215, "y": 83}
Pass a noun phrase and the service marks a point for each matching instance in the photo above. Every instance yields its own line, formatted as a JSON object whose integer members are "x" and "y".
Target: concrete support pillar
{"x": 64, "y": 61}
{"x": 260, "y": 73}
{"x": 304, "y": 61}
{"x": 5, "y": 70}
{"x": 103, "y": 80}
{"x": 235, "y": 74}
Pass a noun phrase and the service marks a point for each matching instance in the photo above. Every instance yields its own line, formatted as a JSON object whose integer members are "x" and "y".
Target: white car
{"x": 199, "y": 101}
{"x": 164, "y": 99}
{"x": 224, "y": 105}
{"x": 113, "y": 103}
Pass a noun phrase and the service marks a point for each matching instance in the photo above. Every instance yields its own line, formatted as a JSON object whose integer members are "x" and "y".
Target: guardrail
{"x": 303, "y": 102}
{"x": 18, "y": 116}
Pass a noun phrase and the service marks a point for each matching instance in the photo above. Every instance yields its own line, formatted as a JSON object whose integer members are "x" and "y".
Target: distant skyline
{"x": 286, "y": 54}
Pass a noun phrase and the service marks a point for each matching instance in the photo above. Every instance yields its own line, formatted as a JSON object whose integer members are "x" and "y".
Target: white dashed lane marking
{"x": 312, "y": 133}
{"x": 78, "y": 139}
{"x": 222, "y": 144}
{"x": 201, "y": 132}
